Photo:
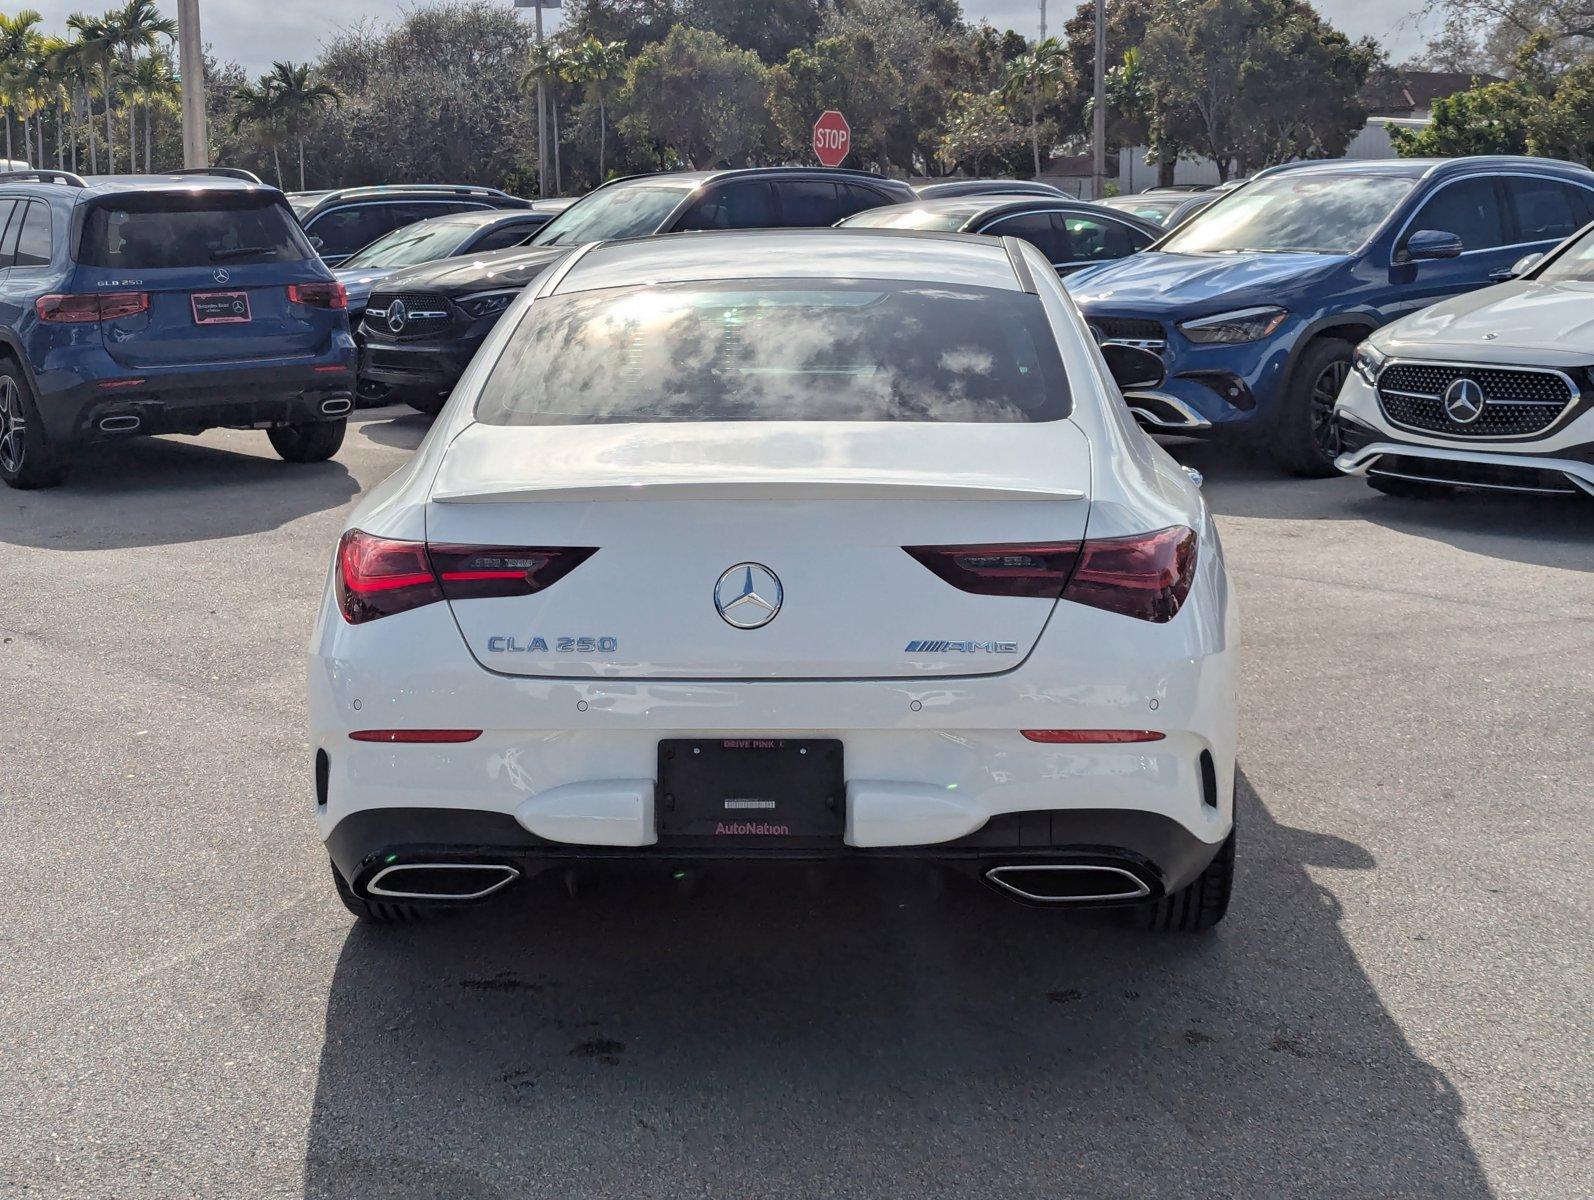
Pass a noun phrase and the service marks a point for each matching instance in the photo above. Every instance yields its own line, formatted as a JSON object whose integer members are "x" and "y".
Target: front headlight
{"x": 1243, "y": 325}
{"x": 1369, "y": 360}
{"x": 487, "y": 304}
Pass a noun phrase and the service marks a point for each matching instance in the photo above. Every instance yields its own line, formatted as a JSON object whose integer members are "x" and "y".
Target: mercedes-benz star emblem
{"x": 1464, "y": 401}
{"x": 748, "y": 595}
{"x": 221, "y": 275}
{"x": 397, "y": 316}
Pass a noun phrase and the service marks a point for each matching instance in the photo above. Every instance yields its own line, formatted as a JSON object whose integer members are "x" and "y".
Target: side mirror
{"x": 1525, "y": 264}
{"x": 1429, "y": 244}
{"x": 316, "y": 243}
{"x": 1133, "y": 368}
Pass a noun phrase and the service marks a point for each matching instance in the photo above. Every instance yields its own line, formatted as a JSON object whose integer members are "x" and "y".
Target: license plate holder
{"x": 221, "y": 308}
{"x": 749, "y": 793}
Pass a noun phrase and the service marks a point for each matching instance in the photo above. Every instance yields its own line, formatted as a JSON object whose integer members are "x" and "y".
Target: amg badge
{"x": 934, "y": 647}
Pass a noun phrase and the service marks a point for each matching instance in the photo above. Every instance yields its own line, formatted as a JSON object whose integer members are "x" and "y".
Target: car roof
{"x": 1423, "y": 168}
{"x": 95, "y": 186}
{"x": 692, "y": 179}
{"x": 977, "y": 187}
{"x": 967, "y": 208}
{"x": 795, "y": 254}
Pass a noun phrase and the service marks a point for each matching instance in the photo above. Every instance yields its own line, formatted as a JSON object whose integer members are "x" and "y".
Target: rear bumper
{"x": 1157, "y": 852}
{"x": 94, "y": 399}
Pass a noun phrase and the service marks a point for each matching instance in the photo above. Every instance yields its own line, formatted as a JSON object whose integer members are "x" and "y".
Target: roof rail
{"x": 43, "y": 176}
{"x": 222, "y": 172}
{"x": 456, "y": 189}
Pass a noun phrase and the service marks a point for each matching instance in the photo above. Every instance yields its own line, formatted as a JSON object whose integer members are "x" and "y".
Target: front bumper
{"x": 430, "y": 366}
{"x": 1559, "y": 463}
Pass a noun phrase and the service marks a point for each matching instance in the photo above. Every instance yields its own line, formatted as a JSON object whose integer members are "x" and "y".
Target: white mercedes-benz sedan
{"x": 1492, "y": 390}
{"x": 786, "y": 545}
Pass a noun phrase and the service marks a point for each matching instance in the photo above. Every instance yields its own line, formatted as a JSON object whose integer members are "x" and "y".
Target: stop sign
{"x": 832, "y": 138}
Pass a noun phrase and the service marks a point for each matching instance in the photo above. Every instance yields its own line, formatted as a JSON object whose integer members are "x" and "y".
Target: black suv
{"x": 422, "y": 327}
{"x": 342, "y": 221}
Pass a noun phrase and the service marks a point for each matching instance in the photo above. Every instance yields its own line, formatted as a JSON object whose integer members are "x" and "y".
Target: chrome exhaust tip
{"x": 337, "y": 406}
{"x": 440, "y": 881}
{"x": 1068, "y": 883}
{"x": 122, "y": 424}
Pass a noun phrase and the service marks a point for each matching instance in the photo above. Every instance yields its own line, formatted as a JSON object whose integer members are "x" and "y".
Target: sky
{"x": 254, "y": 32}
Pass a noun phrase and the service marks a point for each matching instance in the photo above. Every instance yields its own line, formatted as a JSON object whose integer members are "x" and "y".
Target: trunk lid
{"x": 677, "y": 513}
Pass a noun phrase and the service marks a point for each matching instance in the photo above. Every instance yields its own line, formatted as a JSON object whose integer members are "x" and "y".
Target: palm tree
{"x": 1036, "y": 77}
{"x": 98, "y": 39}
{"x": 300, "y": 101}
{"x": 595, "y": 65}
{"x": 259, "y": 105}
{"x": 18, "y": 44}
{"x": 154, "y": 85}
{"x": 545, "y": 65}
{"x": 138, "y": 25}
{"x": 79, "y": 65}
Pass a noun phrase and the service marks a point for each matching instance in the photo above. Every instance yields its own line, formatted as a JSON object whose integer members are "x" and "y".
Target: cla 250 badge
{"x": 504, "y": 644}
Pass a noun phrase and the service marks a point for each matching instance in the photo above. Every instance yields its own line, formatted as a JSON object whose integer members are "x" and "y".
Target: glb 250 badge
{"x": 504, "y": 644}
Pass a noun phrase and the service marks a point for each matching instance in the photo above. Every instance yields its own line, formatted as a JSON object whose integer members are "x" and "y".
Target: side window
{"x": 1545, "y": 209}
{"x": 8, "y": 231}
{"x": 1469, "y": 209}
{"x": 33, "y": 244}
{"x": 746, "y": 205}
{"x": 345, "y": 230}
{"x": 809, "y": 203}
{"x": 855, "y": 197}
{"x": 1092, "y": 239}
{"x": 1036, "y": 228}
{"x": 506, "y": 235}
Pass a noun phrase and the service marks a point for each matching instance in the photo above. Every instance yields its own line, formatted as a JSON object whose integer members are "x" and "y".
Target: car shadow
{"x": 396, "y": 425}
{"x": 872, "y": 1035}
{"x": 165, "y": 490}
{"x": 1550, "y": 531}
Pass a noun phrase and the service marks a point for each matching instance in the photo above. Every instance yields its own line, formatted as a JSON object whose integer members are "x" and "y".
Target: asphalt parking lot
{"x": 1398, "y": 1004}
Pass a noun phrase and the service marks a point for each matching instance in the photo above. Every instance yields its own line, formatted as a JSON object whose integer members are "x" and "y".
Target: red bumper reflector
{"x": 1091, "y": 737}
{"x": 415, "y": 735}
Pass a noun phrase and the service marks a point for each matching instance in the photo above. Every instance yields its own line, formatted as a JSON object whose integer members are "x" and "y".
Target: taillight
{"x": 475, "y": 572}
{"x": 1146, "y": 576}
{"x": 415, "y": 736}
{"x": 1091, "y": 737}
{"x": 88, "y": 307}
{"x": 1033, "y": 569}
{"x": 319, "y": 295}
{"x": 377, "y": 577}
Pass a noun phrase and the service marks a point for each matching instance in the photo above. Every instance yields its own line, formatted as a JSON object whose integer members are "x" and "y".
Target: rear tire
{"x": 375, "y": 912}
{"x": 1407, "y": 489}
{"x": 1305, "y": 436}
{"x": 27, "y": 460}
{"x": 1200, "y": 904}
{"x": 309, "y": 441}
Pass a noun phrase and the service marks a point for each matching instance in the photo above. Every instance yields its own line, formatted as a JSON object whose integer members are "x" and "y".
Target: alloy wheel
{"x": 1325, "y": 393}
{"x": 12, "y": 425}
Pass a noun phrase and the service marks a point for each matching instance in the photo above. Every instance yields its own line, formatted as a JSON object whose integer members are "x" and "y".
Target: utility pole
{"x": 542, "y": 96}
{"x": 1098, "y": 134}
{"x": 1043, "y": 20}
{"x": 191, "y": 63}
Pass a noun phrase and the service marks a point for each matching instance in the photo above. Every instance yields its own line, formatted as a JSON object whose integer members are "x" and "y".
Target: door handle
{"x": 1502, "y": 275}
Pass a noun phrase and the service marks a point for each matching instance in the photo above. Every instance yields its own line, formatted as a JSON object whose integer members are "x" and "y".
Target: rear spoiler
{"x": 836, "y": 488}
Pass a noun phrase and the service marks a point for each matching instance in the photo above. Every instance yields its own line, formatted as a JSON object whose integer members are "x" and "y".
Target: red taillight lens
{"x": 88, "y": 307}
{"x": 1146, "y": 576}
{"x": 1091, "y": 737}
{"x": 319, "y": 295}
{"x": 1034, "y": 569}
{"x": 378, "y": 577}
{"x": 416, "y": 735}
{"x": 475, "y": 572}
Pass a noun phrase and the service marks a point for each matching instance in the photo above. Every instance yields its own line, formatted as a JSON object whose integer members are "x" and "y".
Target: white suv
{"x": 1491, "y": 390}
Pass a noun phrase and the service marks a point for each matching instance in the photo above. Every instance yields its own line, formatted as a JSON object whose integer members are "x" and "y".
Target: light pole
{"x": 1043, "y": 20}
{"x": 542, "y": 97}
{"x": 191, "y": 63}
{"x": 1098, "y": 133}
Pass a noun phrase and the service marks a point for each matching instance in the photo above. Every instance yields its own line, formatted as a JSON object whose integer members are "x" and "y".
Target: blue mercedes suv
{"x": 162, "y": 304}
{"x": 1256, "y": 304}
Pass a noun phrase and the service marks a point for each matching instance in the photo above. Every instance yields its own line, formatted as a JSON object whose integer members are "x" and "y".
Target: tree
{"x": 154, "y": 86}
{"x": 695, "y": 98}
{"x": 300, "y": 101}
{"x": 136, "y": 26}
{"x": 845, "y": 73}
{"x": 1036, "y": 78}
{"x": 98, "y": 40}
{"x": 594, "y": 66}
{"x": 979, "y": 126}
{"x": 258, "y": 106}
{"x": 19, "y": 40}
{"x": 1489, "y": 35}
{"x": 545, "y": 65}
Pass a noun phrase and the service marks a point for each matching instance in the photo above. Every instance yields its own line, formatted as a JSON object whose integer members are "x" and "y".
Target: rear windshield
{"x": 190, "y": 229}
{"x": 779, "y": 350}
{"x": 906, "y": 217}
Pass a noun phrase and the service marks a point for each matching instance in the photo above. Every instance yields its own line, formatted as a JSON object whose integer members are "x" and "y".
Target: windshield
{"x": 1576, "y": 262}
{"x": 1293, "y": 214}
{"x": 417, "y": 243}
{"x": 147, "y": 230}
{"x": 906, "y": 218}
{"x": 779, "y": 350}
{"x": 615, "y": 212}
